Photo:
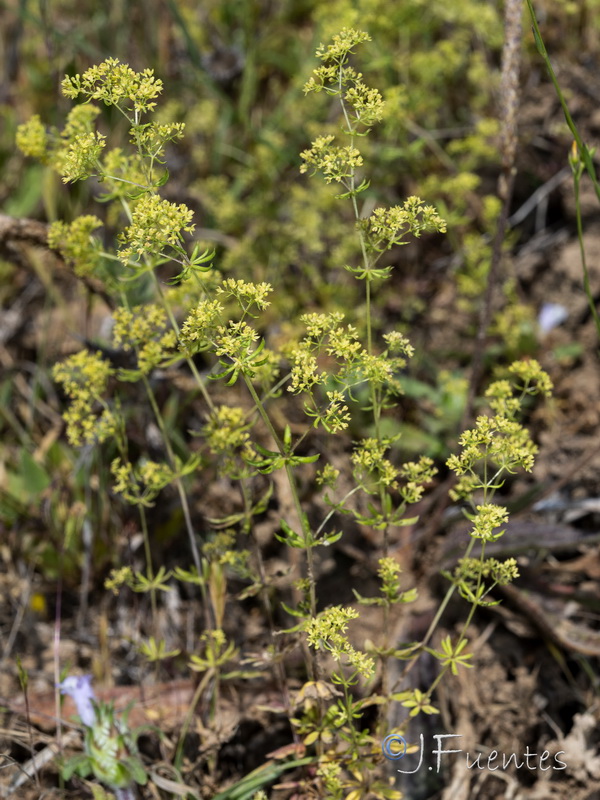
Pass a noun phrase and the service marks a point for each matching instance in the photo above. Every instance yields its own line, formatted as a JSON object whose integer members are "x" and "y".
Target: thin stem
{"x": 333, "y": 510}
{"x": 310, "y": 570}
{"x": 274, "y": 389}
{"x": 175, "y": 326}
{"x": 177, "y": 761}
{"x": 166, "y": 440}
{"x": 434, "y": 623}
{"x": 581, "y": 146}
{"x": 465, "y": 628}
{"x": 124, "y": 180}
{"x": 586, "y": 276}
{"x": 348, "y": 703}
{"x": 369, "y": 327}
{"x": 280, "y": 675}
{"x": 182, "y": 496}
{"x": 374, "y": 392}
{"x": 149, "y": 566}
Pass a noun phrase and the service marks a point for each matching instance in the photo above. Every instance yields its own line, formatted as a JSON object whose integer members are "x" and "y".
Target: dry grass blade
{"x": 30, "y": 768}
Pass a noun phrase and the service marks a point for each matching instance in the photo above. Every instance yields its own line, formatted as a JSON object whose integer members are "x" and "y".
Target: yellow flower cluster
{"x": 372, "y": 467}
{"x": 141, "y": 484}
{"x": 336, "y": 163}
{"x": 82, "y": 156}
{"x": 32, "y": 140}
{"x": 155, "y": 224}
{"x": 115, "y": 84}
{"x": 327, "y": 631}
{"x": 75, "y": 243}
{"x": 199, "y": 327}
{"x": 145, "y": 330}
{"x": 227, "y": 434}
{"x": 489, "y": 516}
{"x": 246, "y": 294}
{"x": 84, "y": 377}
{"x": 387, "y": 227}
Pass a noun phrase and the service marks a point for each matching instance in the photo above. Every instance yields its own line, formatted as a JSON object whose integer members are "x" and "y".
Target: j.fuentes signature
{"x": 395, "y": 747}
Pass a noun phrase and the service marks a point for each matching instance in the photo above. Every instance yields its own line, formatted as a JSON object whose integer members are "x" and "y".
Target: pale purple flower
{"x": 79, "y": 687}
{"x": 551, "y": 315}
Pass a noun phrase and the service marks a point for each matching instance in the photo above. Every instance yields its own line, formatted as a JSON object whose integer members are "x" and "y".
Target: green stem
{"x": 310, "y": 570}
{"x": 189, "y": 717}
{"x": 463, "y": 632}
{"x": 375, "y": 396}
{"x": 582, "y": 147}
{"x": 434, "y": 623}
{"x": 348, "y": 702}
{"x": 161, "y": 424}
{"x": 586, "y": 276}
{"x": 369, "y": 333}
{"x": 178, "y": 482}
{"x": 279, "y": 669}
{"x": 347, "y": 496}
{"x": 190, "y": 362}
{"x": 182, "y": 496}
{"x": 583, "y": 153}
{"x": 149, "y": 566}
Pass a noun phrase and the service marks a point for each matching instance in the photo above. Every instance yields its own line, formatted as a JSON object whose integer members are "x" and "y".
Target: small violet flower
{"x": 551, "y": 315}
{"x": 80, "y": 689}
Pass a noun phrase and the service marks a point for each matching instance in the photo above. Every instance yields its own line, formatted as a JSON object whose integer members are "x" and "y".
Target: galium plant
{"x": 343, "y": 371}
{"x": 498, "y": 445}
{"x": 393, "y": 488}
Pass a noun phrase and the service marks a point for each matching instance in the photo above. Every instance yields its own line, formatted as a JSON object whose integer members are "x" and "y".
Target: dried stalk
{"x": 509, "y": 106}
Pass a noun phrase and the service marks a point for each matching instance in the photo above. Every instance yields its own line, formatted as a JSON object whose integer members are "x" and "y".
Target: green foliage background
{"x": 233, "y": 72}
